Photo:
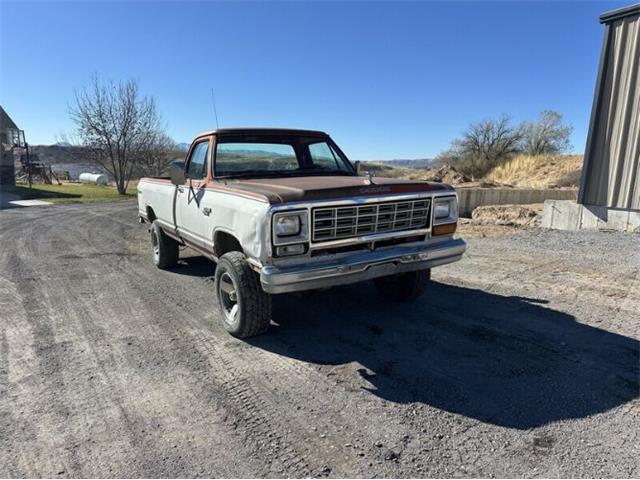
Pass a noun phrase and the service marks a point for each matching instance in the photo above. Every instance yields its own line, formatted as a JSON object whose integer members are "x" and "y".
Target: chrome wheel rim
{"x": 228, "y": 298}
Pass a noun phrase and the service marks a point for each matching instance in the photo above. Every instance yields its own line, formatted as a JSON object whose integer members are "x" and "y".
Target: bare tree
{"x": 547, "y": 136}
{"x": 483, "y": 145}
{"x": 117, "y": 124}
{"x": 155, "y": 160}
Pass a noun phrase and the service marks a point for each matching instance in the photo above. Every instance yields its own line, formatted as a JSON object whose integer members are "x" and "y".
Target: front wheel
{"x": 404, "y": 287}
{"x": 245, "y": 309}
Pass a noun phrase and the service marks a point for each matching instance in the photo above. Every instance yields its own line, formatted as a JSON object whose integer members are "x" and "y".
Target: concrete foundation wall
{"x": 470, "y": 198}
{"x": 567, "y": 215}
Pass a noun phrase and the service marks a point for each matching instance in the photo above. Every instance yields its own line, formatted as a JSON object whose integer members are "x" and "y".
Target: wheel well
{"x": 224, "y": 242}
{"x": 151, "y": 215}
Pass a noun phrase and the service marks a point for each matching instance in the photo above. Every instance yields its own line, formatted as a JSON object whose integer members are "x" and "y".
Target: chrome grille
{"x": 332, "y": 223}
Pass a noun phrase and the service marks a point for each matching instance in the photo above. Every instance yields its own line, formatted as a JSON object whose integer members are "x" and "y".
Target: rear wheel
{"x": 165, "y": 249}
{"x": 404, "y": 287}
{"x": 245, "y": 309}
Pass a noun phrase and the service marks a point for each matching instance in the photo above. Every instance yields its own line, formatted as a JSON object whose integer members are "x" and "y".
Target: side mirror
{"x": 357, "y": 167}
{"x": 177, "y": 172}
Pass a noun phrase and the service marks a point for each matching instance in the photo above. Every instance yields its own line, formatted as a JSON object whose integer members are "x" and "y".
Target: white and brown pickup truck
{"x": 284, "y": 210}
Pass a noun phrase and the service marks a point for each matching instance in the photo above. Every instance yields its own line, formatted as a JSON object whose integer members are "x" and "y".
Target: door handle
{"x": 206, "y": 211}
{"x": 180, "y": 189}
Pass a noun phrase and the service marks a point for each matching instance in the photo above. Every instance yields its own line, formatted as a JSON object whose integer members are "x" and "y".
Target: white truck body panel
{"x": 244, "y": 218}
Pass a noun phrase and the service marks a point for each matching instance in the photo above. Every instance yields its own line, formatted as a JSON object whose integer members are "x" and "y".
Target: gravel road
{"x": 522, "y": 360}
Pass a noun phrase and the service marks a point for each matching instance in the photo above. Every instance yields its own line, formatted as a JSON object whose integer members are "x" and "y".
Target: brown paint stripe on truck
{"x": 210, "y": 186}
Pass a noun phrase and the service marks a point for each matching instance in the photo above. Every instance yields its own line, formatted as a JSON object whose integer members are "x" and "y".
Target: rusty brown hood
{"x": 295, "y": 189}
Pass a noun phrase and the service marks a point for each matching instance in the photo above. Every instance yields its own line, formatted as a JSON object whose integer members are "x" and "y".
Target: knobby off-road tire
{"x": 165, "y": 249}
{"x": 404, "y": 287}
{"x": 245, "y": 309}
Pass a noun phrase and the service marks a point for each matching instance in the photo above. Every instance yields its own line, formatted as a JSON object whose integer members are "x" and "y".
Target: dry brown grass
{"x": 543, "y": 171}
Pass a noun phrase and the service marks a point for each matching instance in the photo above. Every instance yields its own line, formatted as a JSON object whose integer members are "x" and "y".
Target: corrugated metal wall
{"x": 612, "y": 158}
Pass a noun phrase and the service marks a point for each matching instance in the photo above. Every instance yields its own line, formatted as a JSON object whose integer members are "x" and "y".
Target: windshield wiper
{"x": 325, "y": 172}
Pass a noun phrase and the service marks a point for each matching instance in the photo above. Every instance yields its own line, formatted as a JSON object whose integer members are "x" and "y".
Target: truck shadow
{"x": 194, "y": 266}
{"x": 503, "y": 360}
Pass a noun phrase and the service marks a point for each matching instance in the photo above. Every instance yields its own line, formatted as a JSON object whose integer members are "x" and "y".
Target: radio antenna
{"x": 215, "y": 110}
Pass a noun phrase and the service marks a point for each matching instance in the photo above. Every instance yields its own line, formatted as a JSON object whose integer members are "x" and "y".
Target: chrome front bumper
{"x": 360, "y": 266}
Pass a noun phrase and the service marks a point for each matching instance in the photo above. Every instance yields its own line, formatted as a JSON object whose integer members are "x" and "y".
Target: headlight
{"x": 442, "y": 210}
{"x": 445, "y": 210}
{"x": 286, "y": 226}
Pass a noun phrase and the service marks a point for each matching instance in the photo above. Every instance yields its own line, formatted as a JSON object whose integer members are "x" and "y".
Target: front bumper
{"x": 360, "y": 266}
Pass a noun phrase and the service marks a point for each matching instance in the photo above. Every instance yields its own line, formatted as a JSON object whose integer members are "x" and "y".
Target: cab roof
{"x": 264, "y": 131}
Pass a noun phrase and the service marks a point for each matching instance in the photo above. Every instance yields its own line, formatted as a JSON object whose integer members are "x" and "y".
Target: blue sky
{"x": 386, "y": 80}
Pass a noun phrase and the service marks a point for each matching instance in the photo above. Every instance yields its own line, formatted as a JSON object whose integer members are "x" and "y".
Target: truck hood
{"x": 295, "y": 189}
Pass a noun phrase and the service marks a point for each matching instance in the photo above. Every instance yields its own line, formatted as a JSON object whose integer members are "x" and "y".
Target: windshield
{"x": 290, "y": 156}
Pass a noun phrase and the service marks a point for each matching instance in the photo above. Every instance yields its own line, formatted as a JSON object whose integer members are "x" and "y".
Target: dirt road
{"x": 523, "y": 360}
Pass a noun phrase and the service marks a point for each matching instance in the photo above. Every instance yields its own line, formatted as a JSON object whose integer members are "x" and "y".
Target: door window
{"x": 323, "y": 156}
{"x": 197, "y": 168}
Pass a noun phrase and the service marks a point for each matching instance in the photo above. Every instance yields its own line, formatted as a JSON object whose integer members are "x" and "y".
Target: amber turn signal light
{"x": 445, "y": 229}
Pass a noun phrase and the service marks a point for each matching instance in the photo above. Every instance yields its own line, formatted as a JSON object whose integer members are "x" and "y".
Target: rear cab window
{"x": 238, "y": 157}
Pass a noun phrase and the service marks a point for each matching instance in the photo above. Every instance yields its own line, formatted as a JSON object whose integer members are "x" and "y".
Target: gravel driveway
{"x": 522, "y": 360}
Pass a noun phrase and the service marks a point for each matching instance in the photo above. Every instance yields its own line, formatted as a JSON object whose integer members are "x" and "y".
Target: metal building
{"x": 609, "y": 196}
{"x": 611, "y": 171}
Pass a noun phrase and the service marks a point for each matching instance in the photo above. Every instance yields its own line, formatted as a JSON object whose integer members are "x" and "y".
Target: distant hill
{"x": 183, "y": 146}
{"x": 58, "y": 153}
{"x": 418, "y": 163}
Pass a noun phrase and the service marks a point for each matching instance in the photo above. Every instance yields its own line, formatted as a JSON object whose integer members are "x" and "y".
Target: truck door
{"x": 191, "y": 221}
